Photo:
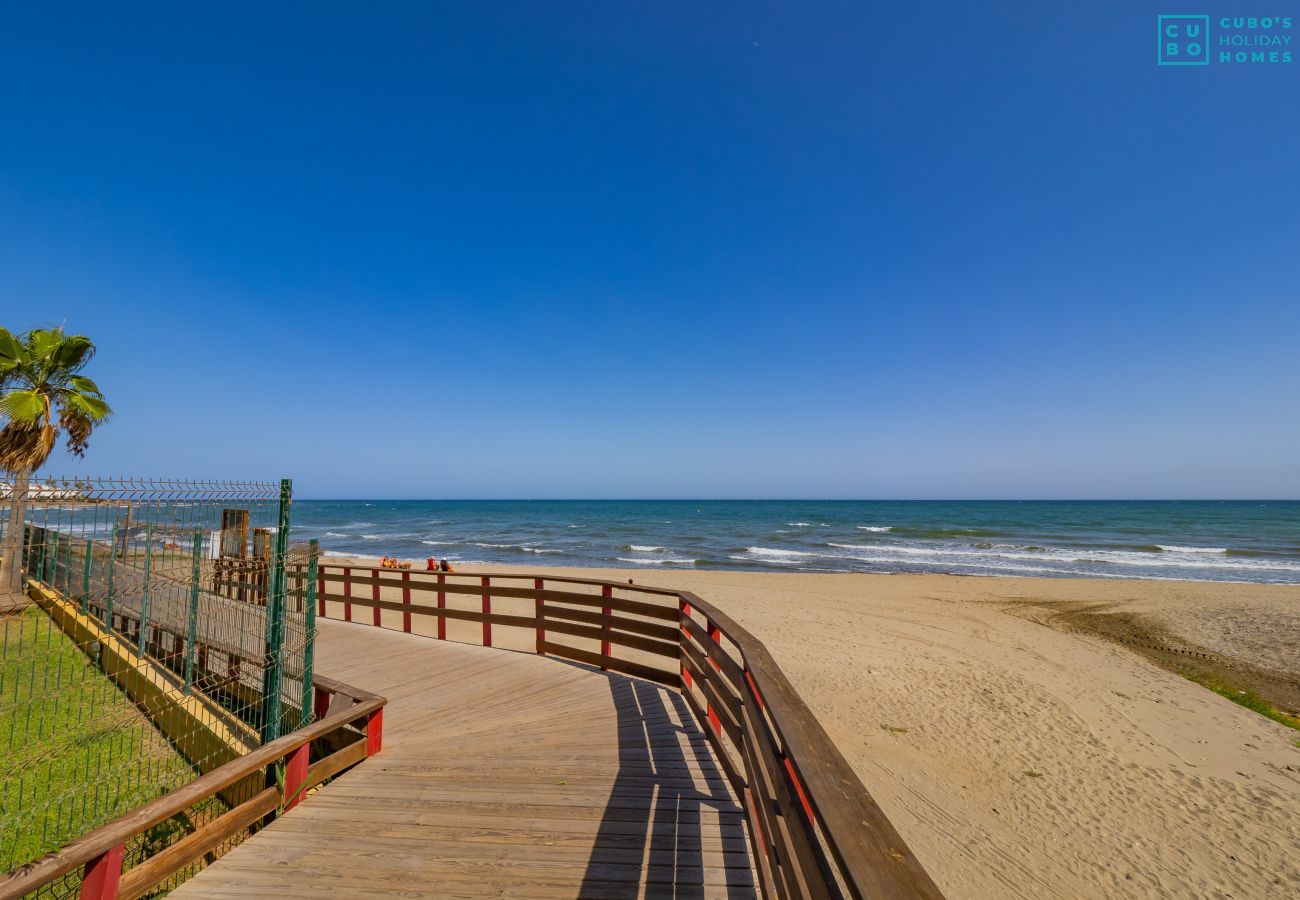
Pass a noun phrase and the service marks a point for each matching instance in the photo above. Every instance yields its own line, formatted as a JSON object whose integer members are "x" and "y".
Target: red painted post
{"x": 754, "y": 689}
{"x": 487, "y": 611}
{"x": 320, "y": 591}
{"x": 406, "y": 601}
{"x": 716, "y": 636}
{"x": 347, "y": 592}
{"x": 295, "y": 775}
{"x": 539, "y": 584}
{"x": 101, "y": 875}
{"x": 442, "y": 604}
{"x": 716, "y": 633}
{"x": 320, "y": 704}
{"x": 374, "y": 595}
{"x": 605, "y": 613}
{"x": 687, "y": 680}
{"x": 375, "y": 732}
{"x": 803, "y": 798}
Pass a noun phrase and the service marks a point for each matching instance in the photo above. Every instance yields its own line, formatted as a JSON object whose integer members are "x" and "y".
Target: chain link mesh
{"x": 161, "y": 639}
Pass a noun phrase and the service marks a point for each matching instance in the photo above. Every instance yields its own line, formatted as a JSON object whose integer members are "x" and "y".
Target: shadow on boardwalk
{"x": 670, "y": 809}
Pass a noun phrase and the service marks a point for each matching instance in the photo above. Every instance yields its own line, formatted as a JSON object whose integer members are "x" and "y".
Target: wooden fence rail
{"x": 348, "y": 729}
{"x": 813, "y": 828}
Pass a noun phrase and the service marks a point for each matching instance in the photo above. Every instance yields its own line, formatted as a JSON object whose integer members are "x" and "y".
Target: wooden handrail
{"x": 101, "y": 843}
{"x": 865, "y": 842}
{"x": 814, "y": 828}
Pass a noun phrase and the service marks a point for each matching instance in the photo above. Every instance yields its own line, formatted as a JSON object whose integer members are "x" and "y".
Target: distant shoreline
{"x": 1255, "y": 542}
{"x": 336, "y": 557}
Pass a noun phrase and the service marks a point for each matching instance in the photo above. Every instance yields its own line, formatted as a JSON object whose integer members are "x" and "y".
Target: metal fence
{"x": 163, "y": 639}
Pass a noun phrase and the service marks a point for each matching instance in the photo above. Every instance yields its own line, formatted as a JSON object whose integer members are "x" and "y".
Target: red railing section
{"x": 347, "y": 730}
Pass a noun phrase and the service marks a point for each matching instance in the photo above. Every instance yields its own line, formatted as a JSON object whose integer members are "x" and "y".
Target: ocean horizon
{"x": 1203, "y": 540}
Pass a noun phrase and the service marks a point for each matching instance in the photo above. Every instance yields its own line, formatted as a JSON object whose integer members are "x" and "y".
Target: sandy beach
{"x": 1021, "y": 748}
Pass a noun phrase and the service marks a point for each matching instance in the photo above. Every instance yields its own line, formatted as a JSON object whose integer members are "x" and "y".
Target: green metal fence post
{"x": 191, "y": 632}
{"x": 273, "y": 673}
{"x": 108, "y": 582}
{"x": 28, "y": 537}
{"x": 67, "y": 568}
{"x": 42, "y": 562}
{"x": 142, "y": 637}
{"x": 85, "y": 578}
{"x": 309, "y": 651}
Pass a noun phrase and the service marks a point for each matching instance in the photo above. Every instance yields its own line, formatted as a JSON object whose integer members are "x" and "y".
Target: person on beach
{"x": 444, "y": 566}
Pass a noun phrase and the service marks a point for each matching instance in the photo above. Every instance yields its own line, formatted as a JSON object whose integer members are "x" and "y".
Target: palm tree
{"x": 42, "y": 393}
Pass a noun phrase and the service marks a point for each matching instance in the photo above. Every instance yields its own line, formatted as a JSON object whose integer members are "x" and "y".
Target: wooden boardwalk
{"x": 502, "y": 775}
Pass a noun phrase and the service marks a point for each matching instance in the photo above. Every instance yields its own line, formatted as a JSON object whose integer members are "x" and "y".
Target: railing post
{"x": 320, "y": 590}
{"x": 539, "y": 584}
{"x": 108, "y": 584}
{"x": 142, "y": 641}
{"x": 29, "y": 536}
{"x": 442, "y": 604}
{"x": 41, "y": 562}
{"x": 605, "y": 613}
{"x": 715, "y": 634}
{"x": 487, "y": 611}
{"x": 273, "y": 673}
{"x": 406, "y": 602}
{"x": 685, "y": 609}
{"x": 309, "y": 615}
{"x": 85, "y": 577}
{"x": 377, "y": 619}
{"x": 347, "y": 594}
{"x": 191, "y": 631}
{"x": 67, "y": 568}
{"x": 375, "y": 732}
{"x": 295, "y": 775}
{"x": 320, "y": 703}
{"x": 100, "y": 877}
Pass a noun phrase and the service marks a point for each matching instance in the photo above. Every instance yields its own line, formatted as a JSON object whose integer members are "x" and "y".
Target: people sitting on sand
{"x": 444, "y": 566}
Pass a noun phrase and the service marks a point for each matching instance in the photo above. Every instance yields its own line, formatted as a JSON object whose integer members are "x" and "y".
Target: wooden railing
{"x": 813, "y": 827}
{"x": 348, "y": 729}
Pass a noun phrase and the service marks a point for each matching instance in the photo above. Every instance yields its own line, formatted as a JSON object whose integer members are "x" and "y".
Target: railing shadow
{"x": 670, "y": 814}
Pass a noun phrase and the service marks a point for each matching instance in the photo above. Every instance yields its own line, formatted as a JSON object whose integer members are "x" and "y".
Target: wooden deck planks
{"x": 506, "y": 775}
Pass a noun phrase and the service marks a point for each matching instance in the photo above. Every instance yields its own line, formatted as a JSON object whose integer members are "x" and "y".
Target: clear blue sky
{"x": 656, "y": 250}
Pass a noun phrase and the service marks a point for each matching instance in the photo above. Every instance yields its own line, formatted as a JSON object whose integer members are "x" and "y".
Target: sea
{"x": 1240, "y": 540}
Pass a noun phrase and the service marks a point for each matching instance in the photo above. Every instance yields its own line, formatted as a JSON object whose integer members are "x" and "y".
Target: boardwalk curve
{"x": 503, "y": 774}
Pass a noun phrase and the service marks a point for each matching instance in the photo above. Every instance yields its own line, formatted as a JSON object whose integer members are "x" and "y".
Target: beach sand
{"x": 1022, "y": 751}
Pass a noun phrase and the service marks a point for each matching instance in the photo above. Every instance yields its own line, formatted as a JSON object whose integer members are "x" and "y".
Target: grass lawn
{"x": 75, "y": 752}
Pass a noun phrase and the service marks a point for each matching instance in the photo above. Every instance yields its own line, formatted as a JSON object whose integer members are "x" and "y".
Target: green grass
{"x": 1251, "y": 701}
{"x": 74, "y": 751}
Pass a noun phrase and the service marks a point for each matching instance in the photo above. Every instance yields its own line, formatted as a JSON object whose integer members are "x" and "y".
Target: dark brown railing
{"x": 813, "y": 827}
{"x": 348, "y": 729}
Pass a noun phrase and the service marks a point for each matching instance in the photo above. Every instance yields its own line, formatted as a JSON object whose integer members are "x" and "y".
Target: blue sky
{"x": 661, "y": 250}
